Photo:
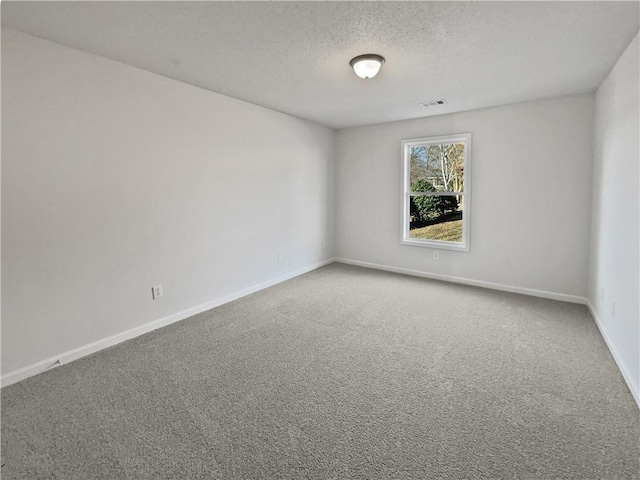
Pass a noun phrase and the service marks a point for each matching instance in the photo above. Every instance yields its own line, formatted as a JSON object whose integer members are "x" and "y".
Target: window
{"x": 436, "y": 194}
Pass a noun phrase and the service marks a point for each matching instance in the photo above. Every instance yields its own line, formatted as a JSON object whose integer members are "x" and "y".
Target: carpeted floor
{"x": 343, "y": 373}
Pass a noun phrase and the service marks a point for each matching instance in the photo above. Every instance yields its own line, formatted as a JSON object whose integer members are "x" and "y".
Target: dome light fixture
{"x": 367, "y": 65}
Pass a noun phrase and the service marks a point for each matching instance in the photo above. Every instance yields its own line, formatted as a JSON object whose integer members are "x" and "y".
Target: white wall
{"x": 615, "y": 238}
{"x": 531, "y": 181}
{"x": 116, "y": 179}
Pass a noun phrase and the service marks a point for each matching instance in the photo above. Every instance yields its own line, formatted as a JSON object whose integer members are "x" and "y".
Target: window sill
{"x": 436, "y": 244}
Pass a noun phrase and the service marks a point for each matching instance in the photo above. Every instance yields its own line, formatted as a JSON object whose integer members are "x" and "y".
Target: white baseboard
{"x": 614, "y": 353}
{"x": 468, "y": 281}
{"x": 71, "y": 355}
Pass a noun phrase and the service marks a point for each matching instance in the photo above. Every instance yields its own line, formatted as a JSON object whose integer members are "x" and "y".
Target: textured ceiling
{"x": 294, "y": 56}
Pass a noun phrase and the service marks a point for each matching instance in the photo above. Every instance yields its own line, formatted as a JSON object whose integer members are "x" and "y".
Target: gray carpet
{"x": 343, "y": 373}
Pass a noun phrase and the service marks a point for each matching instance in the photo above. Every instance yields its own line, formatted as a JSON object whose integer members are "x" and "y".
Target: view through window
{"x": 436, "y": 191}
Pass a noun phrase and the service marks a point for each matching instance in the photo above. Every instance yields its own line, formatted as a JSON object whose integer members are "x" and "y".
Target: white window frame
{"x": 407, "y": 144}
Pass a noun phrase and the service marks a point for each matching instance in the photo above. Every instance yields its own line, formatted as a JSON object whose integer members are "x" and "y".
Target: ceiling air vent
{"x": 434, "y": 103}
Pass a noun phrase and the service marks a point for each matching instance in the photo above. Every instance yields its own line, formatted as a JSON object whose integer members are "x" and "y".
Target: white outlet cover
{"x": 156, "y": 292}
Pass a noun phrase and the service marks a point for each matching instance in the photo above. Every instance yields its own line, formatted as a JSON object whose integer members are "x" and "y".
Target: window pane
{"x": 436, "y": 217}
{"x": 437, "y": 168}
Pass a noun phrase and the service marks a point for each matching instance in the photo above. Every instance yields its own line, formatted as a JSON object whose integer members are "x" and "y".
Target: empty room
{"x": 320, "y": 240}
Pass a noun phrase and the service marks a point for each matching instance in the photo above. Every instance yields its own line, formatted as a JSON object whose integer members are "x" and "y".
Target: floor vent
{"x": 434, "y": 103}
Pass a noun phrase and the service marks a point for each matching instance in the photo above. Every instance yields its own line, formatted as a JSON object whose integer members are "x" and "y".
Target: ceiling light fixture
{"x": 367, "y": 65}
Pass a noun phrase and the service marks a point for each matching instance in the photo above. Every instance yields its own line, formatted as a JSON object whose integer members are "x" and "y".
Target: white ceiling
{"x": 294, "y": 56}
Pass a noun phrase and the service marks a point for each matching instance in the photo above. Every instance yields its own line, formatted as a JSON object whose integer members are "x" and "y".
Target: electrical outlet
{"x": 324, "y": 244}
{"x": 436, "y": 255}
{"x": 280, "y": 257}
{"x": 156, "y": 292}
